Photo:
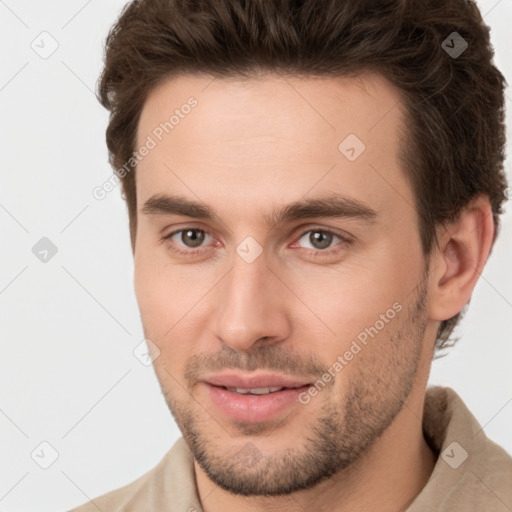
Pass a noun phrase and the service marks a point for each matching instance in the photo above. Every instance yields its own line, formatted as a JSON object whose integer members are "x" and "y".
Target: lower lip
{"x": 253, "y": 408}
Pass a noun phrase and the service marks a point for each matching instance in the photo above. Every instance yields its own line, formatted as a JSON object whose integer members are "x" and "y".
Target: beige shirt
{"x": 472, "y": 473}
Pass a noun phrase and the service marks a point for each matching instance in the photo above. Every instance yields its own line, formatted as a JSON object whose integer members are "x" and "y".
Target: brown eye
{"x": 187, "y": 240}
{"x": 192, "y": 237}
{"x": 319, "y": 239}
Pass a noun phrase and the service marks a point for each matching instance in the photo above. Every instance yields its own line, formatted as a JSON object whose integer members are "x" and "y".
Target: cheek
{"x": 365, "y": 313}
{"x": 159, "y": 294}
{"x": 160, "y": 315}
{"x": 159, "y": 287}
{"x": 349, "y": 298}
{"x": 149, "y": 289}
{"x": 170, "y": 298}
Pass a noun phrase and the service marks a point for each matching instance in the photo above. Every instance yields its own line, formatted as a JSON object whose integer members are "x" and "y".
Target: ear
{"x": 459, "y": 259}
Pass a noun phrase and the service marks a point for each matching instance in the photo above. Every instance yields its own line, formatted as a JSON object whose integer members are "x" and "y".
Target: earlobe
{"x": 458, "y": 262}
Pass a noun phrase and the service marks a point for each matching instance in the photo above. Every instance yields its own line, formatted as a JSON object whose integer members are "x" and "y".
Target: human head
{"x": 245, "y": 291}
{"x": 453, "y": 145}
{"x": 256, "y": 143}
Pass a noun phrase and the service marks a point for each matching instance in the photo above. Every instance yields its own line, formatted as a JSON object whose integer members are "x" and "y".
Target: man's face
{"x": 330, "y": 307}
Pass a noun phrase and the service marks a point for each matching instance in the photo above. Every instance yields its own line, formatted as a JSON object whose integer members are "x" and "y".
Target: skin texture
{"x": 247, "y": 148}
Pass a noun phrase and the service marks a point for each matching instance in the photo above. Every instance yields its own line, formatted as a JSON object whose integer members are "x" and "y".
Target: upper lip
{"x": 262, "y": 380}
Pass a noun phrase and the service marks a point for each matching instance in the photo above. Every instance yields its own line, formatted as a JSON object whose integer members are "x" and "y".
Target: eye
{"x": 190, "y": 241}
{"x": 189, "y": 238}
{"x": 320, "y": 240}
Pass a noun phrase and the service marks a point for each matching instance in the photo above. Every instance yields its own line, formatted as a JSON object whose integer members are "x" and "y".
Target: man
{"x": 313, "y": 191}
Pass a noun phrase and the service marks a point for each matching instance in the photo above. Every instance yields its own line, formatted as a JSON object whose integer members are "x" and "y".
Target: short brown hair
{"x": 454, "y": 150}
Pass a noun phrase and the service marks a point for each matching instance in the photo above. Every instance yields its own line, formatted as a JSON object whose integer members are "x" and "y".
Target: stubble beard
{"x": 347, "y": 425}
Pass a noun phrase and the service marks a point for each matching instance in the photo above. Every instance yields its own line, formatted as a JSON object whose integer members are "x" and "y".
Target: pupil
{"x": 320, "y": 240}
{"x": 194, "y": 241}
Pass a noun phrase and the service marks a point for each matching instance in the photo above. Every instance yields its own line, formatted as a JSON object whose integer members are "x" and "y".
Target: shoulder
{"x": 170, "y": 481}
{"x": 472, "y": 472}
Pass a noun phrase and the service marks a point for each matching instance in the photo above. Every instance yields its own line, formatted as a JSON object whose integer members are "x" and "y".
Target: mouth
{"x": 252, "y": 403}
{"x": 256, "y": 391}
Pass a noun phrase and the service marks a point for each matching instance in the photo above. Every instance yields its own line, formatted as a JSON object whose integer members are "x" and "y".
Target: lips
{"x": 255, "y": 391}
{"x": 255, "y": 381}
{"x": 255, "y": 398}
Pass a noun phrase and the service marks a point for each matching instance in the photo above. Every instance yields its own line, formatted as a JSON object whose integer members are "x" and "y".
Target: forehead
{"x": 273, "y": 133}
{"x": 357, "y": 104}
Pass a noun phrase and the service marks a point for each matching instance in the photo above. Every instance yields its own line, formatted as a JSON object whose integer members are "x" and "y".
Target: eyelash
{"x": 198, "y": 252}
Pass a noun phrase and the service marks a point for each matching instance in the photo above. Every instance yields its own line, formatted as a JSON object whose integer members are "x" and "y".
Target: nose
{"x": 252, "y": 306}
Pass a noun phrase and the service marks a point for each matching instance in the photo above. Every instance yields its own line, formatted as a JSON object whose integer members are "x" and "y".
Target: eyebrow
{"x": 332, "y": 206}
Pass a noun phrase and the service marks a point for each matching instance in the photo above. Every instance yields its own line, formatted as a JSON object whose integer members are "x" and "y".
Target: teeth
{"x": 255, "y": 391}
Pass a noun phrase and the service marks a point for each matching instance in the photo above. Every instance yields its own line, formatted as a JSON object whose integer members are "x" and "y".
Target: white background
{"x": 69, "y": 326}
